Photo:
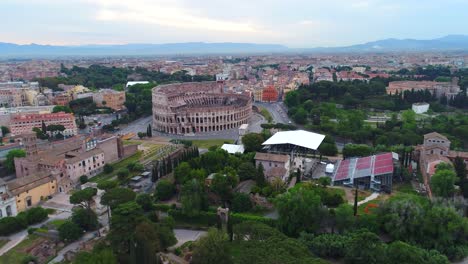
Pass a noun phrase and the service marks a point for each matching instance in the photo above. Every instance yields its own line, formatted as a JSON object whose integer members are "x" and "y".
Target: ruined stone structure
{"x": 198, "y": 107}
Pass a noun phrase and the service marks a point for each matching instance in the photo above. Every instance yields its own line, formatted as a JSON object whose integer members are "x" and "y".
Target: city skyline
{"x": 296, "y": 24}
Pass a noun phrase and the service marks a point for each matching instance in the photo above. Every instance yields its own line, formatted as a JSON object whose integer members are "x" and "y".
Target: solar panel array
{"x": 364, "y": 167}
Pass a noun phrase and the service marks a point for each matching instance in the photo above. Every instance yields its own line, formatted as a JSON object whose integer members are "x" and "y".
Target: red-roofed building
{"x": 270, "y": 94}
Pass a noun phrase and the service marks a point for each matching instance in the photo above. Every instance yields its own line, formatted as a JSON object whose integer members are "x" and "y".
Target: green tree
{"x": 108, "y": 168}
{"x": 443, "y": 183}
{"x": 83, "y": 179}
{"x": 10, "y": 159}
{"x": 246, "y": 171}
{"x": 164, "y": 190}
{"x": 365, "y": 247}
{"x": 193, "y": 197}
{"x": 5, "y": 130}
{"x": 222, "y": 186}
{"x": 123, "y": 174}
{"x": 69, "y": 231}
{"x": 354, "y": 150}
{"x": 116, "y": 196}
{"x": 252, "y": 142}
{"x": 85, "y": 219}
{"x": 182, "y": 172}
{"x": 145, "y": 201}
{"x": 344, "y": 217}
{"x": 241, "y": 203}
{"x": 299, "y": 210}
{"x": 61, "y": 108}
{"x": 212, "y": 249}
{"x": 260, "y": 176}
{"x": 460, "y": 167}
{"x": 146, "y": 243}
{"x": 125, "y": 218}
{"x": 107, "y": 185}
{"x": 300, "y": 116}
{"x": 83, "y": 197}
{"x": 324, "y": 181}
{"x": 401, "y": 252}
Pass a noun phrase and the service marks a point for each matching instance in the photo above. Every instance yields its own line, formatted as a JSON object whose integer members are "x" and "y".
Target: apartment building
{"x": 109, "y": 98}
{"x": 24, "y": 123}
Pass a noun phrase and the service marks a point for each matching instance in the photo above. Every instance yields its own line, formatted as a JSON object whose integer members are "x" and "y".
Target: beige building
{"x": 109, "y": 98}
{"x": 275, "y": 165}
{"x": 29, "y": 191}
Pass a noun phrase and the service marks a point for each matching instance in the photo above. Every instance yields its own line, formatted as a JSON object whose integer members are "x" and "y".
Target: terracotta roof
{"x": 461, "y": 154}
{"x": 435, "y": 134}
{"x": 271, "y": 157}
{"x": 20, "y": 185}
{"x": 81, "y": 156}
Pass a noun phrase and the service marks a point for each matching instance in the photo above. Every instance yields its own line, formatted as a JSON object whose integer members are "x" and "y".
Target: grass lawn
{"x": 117, "y": 166}
{"x": 266, "y": 114}
{"x": 405, "y": 188}
{"x": 206, "y": 143}
{"x": 16, "y": 254}
{"x": 58, "y": 222}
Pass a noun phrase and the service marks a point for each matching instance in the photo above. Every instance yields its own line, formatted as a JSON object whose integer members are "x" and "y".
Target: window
{"x": 8, "y": 210}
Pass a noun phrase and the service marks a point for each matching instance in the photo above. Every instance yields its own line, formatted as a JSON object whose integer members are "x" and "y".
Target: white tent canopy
{"x": 233, "y": 149}
{"x": 300, "y": 138}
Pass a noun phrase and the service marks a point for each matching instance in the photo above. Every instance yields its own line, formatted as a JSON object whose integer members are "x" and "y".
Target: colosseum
{"x": 198, "y": 107}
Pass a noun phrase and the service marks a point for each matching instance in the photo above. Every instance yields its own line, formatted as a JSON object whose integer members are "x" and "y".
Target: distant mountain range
{"x": 447, "y": 43}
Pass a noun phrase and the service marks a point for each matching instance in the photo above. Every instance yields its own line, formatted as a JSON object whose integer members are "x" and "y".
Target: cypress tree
{"x": 355, "y": 201}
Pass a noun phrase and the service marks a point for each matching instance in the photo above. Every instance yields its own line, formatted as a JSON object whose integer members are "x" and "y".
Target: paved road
{"x": 16, "y": 238}
{"x": 277, "y": 110}
{"x": 184, "y": 235}
{"x": 139, "y": 125}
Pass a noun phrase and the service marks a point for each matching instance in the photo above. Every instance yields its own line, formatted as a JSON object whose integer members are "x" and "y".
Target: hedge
{"x": 10, "y": 225}
{"x": 211, "y": 219}
{"x": 202, "y": 218}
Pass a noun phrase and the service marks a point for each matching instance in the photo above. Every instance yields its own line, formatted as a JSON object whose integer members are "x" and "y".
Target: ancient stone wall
{"x": 197, "y": 108}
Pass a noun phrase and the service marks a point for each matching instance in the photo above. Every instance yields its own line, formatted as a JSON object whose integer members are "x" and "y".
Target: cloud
{"x": 165, "y": 13}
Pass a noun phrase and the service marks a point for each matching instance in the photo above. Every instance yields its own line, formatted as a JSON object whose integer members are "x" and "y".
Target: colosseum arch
{"x": 198, "y": 107}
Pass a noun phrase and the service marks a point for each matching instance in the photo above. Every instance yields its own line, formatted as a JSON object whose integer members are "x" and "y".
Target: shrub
{"x": 83, "y": 179}
{"x": 10, "y": 225}
{"x": 108, "y": 168}
{"x": 31, "y": 230}
{"x": 237, "y": 218}
{"x": 202, "y": 218}
{"x": 122, "y": 174}
{"x": 106, "y": 185}
{"x": 328, "y": 245}
{"x": 29, "y": 259}
{"x": 36, "y": 215}
{"x": 69, "y": 231}
{"x": 164, "y": 190}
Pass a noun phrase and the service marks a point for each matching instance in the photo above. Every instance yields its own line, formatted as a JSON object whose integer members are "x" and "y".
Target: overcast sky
{"x": 294, "y": 23}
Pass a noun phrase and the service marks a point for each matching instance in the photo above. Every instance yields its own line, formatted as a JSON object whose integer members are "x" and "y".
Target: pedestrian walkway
{"x": 16, "y": 238}
{"x": 371, "y": 197}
